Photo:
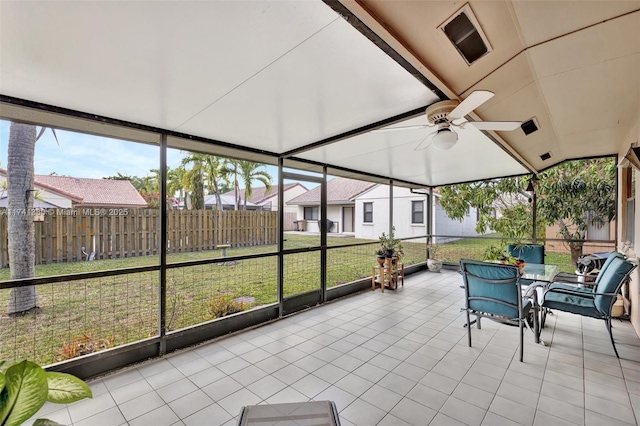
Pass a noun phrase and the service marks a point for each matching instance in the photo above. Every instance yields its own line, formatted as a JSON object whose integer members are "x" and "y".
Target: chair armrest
{"x": 531, "y": 288}
{"x": 605, "y": 294}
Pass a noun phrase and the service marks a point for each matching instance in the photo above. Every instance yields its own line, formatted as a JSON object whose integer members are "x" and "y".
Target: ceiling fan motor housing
{"x": 438, "y": 112}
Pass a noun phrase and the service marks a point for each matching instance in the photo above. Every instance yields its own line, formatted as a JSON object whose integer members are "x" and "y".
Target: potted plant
{"x": 500, "y": 255}
{"x": 391, "y": 246}
{"x": 25, "y": 387}
{"x": 381, "y": 255}
{"x": 433, "y": 263}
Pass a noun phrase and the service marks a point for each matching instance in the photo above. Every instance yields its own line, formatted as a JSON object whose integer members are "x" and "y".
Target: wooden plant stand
{"x": 387, "y": 275}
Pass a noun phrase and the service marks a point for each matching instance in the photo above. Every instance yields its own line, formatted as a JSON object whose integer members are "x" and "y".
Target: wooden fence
{"x": 289, "y": 218}
{"x": 118, "y": 233}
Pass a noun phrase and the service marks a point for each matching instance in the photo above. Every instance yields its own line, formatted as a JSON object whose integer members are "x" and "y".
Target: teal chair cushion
{"x": 574, "y": 303}
{"x": 508, "y": 292}
{"x": 610, "y": 281}
{"x": 530, "y": 253}
{"x": 612, "y": 256}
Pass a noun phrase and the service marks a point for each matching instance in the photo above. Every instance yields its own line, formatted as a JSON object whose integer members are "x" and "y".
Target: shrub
{"x": 221, "y": 306}
{"x": 83, "y": 345}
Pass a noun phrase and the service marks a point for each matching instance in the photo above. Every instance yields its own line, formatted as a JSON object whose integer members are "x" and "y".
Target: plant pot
{"x": 381, "y": 260}
{"x": 434, "y": 265}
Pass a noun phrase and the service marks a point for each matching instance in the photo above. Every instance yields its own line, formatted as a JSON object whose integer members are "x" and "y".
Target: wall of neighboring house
{"x": 379, "y": 196}
{"x": 334, "y": 213}
{"x": 272, "y": 203}
{"x": 289, "y": 195}
{"x": 44, "y": 198}
{"x": 447, "y": 226}
{"x": 605, "y": 232}
{"x": 402, "y": 216}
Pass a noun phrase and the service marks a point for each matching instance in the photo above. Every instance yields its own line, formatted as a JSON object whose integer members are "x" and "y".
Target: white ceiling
{"x": 276, "y": 76}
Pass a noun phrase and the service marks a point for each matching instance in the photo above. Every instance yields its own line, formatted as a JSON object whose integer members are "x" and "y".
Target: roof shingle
{"x": 99, "y": 192}
{"x": 339, "y": 190}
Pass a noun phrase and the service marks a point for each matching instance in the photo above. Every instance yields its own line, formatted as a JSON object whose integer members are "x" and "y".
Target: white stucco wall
{"x": 272, "y": 203}
{"x": 44, "y": 198}
{"x": 288, "y": 195}
{"x": 379, "y": 196}
{"x": 402, "y": 198}
{"x": 446, "y": 226}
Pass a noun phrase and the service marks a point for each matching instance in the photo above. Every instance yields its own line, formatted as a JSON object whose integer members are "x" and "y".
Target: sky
{"x": 88, "y": 156}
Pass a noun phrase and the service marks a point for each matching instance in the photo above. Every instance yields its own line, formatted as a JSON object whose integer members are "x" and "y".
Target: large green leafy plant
{"x": 25, "y": 387}
{"x": 571, "y": 195}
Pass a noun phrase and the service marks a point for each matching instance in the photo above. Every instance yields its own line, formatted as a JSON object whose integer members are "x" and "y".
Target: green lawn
{"x": 124, "y": 308}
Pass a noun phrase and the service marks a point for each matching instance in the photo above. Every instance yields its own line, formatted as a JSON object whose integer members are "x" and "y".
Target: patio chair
{"x": 597, "y": 302}
{"x": 590, "y": 279}
{"x": 530, "y": 253}
{"x": 494, "y": 291}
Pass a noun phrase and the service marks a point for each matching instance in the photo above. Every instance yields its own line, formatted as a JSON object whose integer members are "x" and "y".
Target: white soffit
{"x": 270, "y": 75}
{"x": 392, "y": 153}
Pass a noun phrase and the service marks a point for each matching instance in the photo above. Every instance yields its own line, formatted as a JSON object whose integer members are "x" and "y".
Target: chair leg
{"x": 521, "y": 339}
{"x": 608, "y": 322}
{"x": 469, "y": 327}
{"x": 478, "y": 321}
{"x": 536, "y": 324}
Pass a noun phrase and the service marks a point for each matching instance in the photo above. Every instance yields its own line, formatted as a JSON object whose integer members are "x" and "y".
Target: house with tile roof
{"x": 268, "y": 200}
{"x": 341, "y": 196}
{"x": 71, "y": 192}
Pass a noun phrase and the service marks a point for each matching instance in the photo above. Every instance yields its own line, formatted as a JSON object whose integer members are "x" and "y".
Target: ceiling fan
{"x": 442, "y": 115}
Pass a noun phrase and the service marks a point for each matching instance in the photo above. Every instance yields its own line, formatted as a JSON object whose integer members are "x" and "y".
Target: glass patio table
{"x": 539, "y": 272}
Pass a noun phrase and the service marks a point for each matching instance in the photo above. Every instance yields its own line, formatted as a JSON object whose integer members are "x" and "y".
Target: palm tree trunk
{"x": 22, "y": 142}
{"x": 218, "y": 198}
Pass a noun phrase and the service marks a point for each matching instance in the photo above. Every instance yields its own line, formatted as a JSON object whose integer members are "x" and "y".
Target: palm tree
{"x": 212, "y": 169}
{"x": 193, "y": 179}
{"x": 230, "y": 171}
{"x": 20, "y": 194}
{"x": 249, "y": 171}
{"x": 174, "y": 182}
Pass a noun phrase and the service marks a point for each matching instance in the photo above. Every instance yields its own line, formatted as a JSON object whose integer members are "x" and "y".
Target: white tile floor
{"x": 398, "y": 358}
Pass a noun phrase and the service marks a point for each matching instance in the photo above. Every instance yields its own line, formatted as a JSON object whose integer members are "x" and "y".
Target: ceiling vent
{"x": 545, "y": 156}
{"x": 529, "y": 126}
{"x": 463, "y": 30}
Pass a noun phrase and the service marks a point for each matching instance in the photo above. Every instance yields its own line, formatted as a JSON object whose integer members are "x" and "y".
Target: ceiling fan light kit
{"x": 445, "y": 139}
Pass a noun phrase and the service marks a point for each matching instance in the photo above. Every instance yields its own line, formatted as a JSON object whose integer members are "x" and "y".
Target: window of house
{"x": 417, "y": 212}
{"x": 368, "y": 212}
{"x": 597, "y": 231}
{"x": 311, "y": 213}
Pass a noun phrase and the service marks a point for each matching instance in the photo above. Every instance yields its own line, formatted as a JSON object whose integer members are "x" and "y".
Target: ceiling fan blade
{"x": 473, "y": 101}
{"x": 393, "y": 129}
{"x": 496, "y": 125}
{"x": 426, "y": 142}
